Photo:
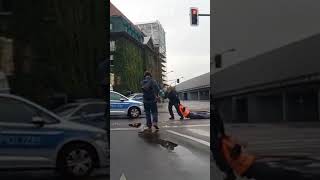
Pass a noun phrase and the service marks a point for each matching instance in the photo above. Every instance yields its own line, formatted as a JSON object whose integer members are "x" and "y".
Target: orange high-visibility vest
{"x": 239, "y": 164}
{"x": 184, "y": 111}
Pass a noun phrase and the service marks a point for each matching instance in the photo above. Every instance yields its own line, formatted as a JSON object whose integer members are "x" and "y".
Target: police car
{"x": 84, "y": 111}
{"x": 136, "y": 97}
{"x": 33, "y": 137}
{"x": 121, "y": 105}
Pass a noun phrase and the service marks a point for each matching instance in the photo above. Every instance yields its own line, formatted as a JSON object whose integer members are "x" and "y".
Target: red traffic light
{"x": 194, "y": 16}
{"x": 194, "y": 11}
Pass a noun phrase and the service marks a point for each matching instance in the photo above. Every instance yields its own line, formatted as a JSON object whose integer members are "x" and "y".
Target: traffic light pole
{"x": 203, "y": 14}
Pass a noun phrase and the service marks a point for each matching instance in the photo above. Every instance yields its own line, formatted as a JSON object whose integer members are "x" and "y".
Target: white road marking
{"x": 200, "y": 132}
{"x": 124, "y": 129}
{"x": 191, "y": 125}
{"x": 123, "y": 177}
{"x": 165, "y": 126}
{"x": 191, "y": 138}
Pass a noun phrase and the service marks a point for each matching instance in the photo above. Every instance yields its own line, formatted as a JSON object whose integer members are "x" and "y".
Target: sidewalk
{"x": 192, "y": 105}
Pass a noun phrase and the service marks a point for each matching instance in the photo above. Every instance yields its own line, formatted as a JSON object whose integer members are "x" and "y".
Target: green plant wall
{"x": 128, "y": 65}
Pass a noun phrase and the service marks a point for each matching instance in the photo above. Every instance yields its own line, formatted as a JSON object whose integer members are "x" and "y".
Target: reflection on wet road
{"x": 159, "y": 154}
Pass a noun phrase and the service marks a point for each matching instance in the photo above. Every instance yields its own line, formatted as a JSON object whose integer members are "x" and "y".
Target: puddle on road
{"x": 154, "y": 138}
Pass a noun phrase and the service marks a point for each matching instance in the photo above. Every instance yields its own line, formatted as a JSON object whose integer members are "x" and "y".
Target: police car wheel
{"x": 76, "y": 161}
{"x": 134, "y": 112}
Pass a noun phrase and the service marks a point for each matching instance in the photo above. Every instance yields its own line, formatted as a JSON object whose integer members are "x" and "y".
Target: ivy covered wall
{"x": 128, "y": 66}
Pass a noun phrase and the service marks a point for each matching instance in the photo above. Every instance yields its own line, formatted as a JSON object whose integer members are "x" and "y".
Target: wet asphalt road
{"x": 179, "y": 150}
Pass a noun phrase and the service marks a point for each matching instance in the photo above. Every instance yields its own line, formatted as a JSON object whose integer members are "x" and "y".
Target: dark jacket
{"x": 150, "y": 90}
{"x": 173, "y": 97}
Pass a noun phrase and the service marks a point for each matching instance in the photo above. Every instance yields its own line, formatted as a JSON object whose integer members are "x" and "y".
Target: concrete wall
{"x": 277, "y": 106}
{"x": 195, "y": 95}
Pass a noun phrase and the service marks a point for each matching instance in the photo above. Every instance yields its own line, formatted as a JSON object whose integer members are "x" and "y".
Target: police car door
{"x": 118, "y": 104}
{"x": 24, "y": 142}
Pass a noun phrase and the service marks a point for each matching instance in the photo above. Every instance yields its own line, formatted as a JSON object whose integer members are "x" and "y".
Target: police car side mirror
{"x": 121, "y": 99}
{"x": 37, "y": 120}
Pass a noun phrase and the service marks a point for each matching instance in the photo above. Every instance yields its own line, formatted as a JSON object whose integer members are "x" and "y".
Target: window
{"x": 13, "y": 111}
{"x": 65, "y": 110}
{"x": 116, "y": 97}
{"x": 111, "y": 60}
{"x": 112, "y": 46}
{"x": 92, "y": 109}
{"x": 110, "y": 26}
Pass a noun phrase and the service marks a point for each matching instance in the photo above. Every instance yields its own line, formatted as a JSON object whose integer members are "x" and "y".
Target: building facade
{"x": 131, "y": 53}
{"x": 195, "y": 89}
{"x": 279, "y": 86}
{"x": 157, "y": 33}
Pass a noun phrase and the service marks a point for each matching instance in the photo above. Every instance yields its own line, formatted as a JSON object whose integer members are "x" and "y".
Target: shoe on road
{"x": 136, "y": 125}
{"x": 171, "y": 118}
{"x": 156, "y": 126}
{"x": 181, "y": 118}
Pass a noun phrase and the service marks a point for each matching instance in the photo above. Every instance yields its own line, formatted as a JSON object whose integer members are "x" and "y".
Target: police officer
{"x": 174, "y": 100}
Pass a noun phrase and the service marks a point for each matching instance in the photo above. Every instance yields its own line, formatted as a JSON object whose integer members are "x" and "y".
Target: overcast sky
{"x": 188, "y": 48}
{"x": 254, "y": 27}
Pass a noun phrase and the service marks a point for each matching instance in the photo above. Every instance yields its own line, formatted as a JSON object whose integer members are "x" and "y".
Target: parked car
{"x": 136, "y": 97}
{"x": 33, "y": 137}
{"x": 120, "y": 105}
{"x": 85, "y": 111}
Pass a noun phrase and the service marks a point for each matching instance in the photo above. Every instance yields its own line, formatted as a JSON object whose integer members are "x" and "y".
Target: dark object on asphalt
{"x": 154, "y": 138}
{"x": 156, "y": 126}
{"x": 136, "y": 125}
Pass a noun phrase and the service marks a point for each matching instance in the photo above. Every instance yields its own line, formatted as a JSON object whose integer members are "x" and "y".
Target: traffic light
{"x": 218, "y": 60}
{"x": 194, "y": 14}
{"x": 178, "y": 81}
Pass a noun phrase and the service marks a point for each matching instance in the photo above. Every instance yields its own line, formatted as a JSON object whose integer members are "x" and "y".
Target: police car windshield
{"x": 65, "y": 110}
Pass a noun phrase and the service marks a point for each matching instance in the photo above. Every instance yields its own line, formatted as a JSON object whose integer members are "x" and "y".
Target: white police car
{"x": 33, "y": 137}
{"x": 121, "y": 105}
{"x": 84, "y": 111}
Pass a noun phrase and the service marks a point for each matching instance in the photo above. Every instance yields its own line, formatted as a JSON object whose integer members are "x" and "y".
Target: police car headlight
{"x": 101, "y": 137}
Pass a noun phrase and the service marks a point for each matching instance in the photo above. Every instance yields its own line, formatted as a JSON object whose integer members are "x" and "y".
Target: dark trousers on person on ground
{"x": 176, "y": 105}
{"x": 151, "y": 109}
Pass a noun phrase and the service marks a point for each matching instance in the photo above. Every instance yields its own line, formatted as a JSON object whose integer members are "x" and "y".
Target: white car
{"x": 86, "y": 111}
{"x": 32, "y": 137}
{"x": 120, "y": 105}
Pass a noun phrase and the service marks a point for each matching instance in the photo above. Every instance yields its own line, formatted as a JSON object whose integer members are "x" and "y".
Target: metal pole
{"x": 203, "y": 14}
